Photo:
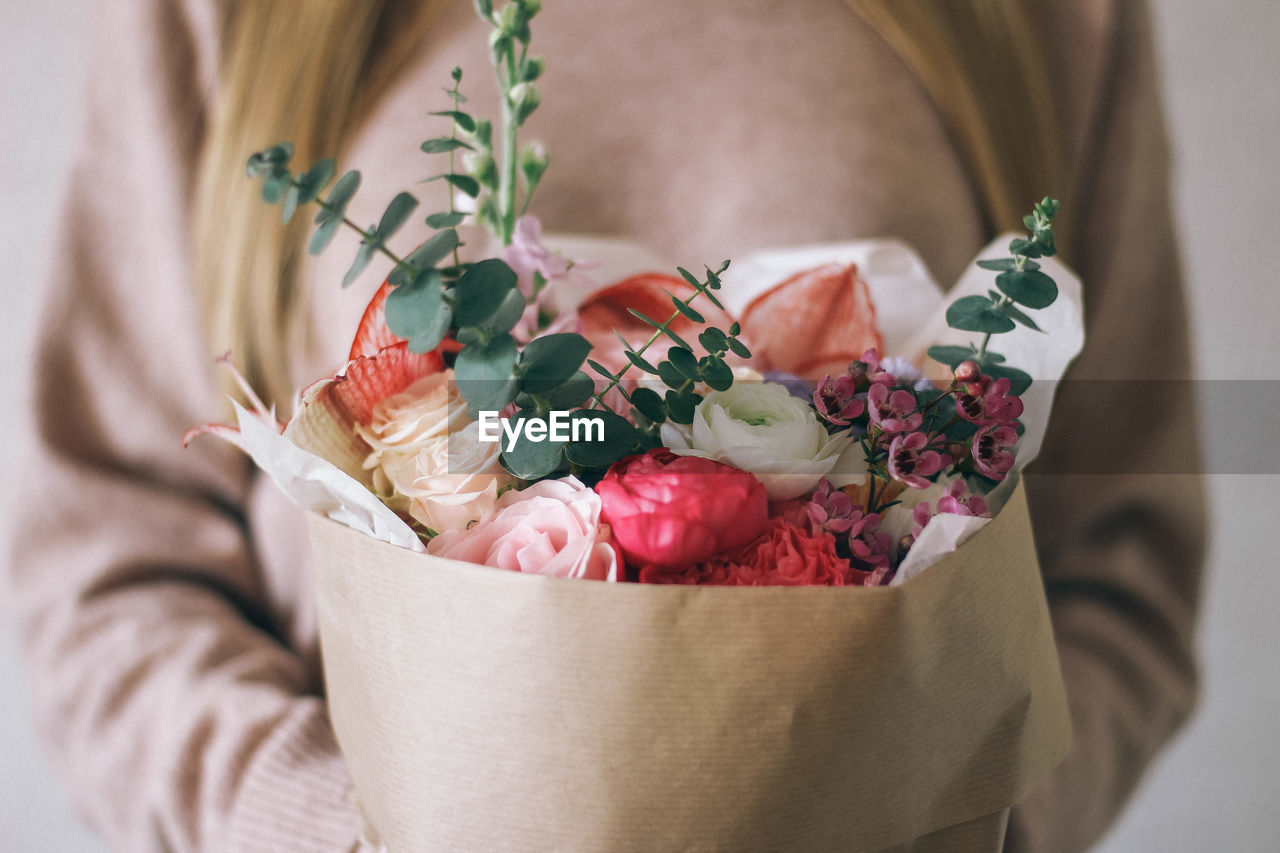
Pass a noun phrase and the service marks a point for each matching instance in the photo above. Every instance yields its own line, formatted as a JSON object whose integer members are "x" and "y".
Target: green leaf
{"x": 689, "y": 277}
{"x": 275, "y": 186}
{"x": 1006, "y": 265}
{"x": 649, "y": 403}
{"x": 443, "y": 145}
{"x": 315, "y": 180}
{"x": 485, "y": 374}
{"x": 417, "y": 311}
{"x": 481, "y": 291}
{"x": 671, "y": 377}
{"x": 713, "y": 340}
{"x": 530, "y": 460}
{"x": 639, "y": 361}
{"x": 290, "y": 206}
{"x": 433, "y": 251}
{"x": 619, "y": 439}
{"x": 573, "y": 392}
{"x": 684, "y": 361}
{"x": 509, "y": 312}
{"x": 269, "y": 161}
{"x": 550, "y": 360}
{"x": 1018, "y": 317}
{"x": 681, "y": 405}
{"x": 716, "y": 373}
{"x": 323, "y": 236}
{"x": 951, "y": 355}
{"x": 686, "y": 310}
{"x": 364, "y": 254}
{"x": 445, "y": 220}
{"x": 461, "y": 119}
{"x": 394, "y": 216}
{"x": 340, "y": 196}
{"x": 1019, "y": 380}
{"x": 977, "y": 314}
{"x": 1024, "y": 247}
{"x": 1033, "y": 289}
{"x": 601, "y": 369}
{"x": 644, "y": 318}
{"x": 465, "y": 183}
{"x": 739, "y": 348}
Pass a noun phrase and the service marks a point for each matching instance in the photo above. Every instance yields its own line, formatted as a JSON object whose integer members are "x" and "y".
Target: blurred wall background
{"x": 1217, "y": 787}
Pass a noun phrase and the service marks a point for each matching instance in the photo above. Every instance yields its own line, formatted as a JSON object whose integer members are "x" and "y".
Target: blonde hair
{"x": 309, "y": 71}
{"x": 306, "y": 72}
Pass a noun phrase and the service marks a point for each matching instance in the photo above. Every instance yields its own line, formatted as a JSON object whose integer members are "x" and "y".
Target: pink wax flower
{"x": 991, "y": 455}
{"x": 960, "y": 501}
{"x": 893, "y": 411}
{"x": 911, "y": 462}
{"x": 985, "y": 402}
{"x": 869, "y": 553}
{"x": 835, "y": 401}
{"x": 832, "y": 510}
{"x": 869, "y": 371}
{"x": 957, "y": 501}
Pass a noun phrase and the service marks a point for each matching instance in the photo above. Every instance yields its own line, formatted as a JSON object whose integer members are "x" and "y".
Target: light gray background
{"x": 1218, "y": 787}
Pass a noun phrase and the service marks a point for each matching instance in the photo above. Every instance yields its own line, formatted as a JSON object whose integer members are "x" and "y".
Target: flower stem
{"x": 507, "y": 177}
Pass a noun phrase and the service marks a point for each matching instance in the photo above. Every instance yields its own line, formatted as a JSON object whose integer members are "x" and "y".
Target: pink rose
{"x": 551, "y": 528}
{"x": 669, "y": 510}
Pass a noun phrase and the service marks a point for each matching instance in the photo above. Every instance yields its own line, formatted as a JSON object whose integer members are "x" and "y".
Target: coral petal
{"x": 373, "y": 336}
{"x": 812, "y": 324}
{"x": 325, "y": 424}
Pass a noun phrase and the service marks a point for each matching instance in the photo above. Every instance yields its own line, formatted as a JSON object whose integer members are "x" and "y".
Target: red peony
{"x": 786, "y": 555}
{"x": 669, "y": 510}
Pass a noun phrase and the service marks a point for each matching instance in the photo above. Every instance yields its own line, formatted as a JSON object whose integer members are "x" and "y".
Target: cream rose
{"x": 427, "y": 458}
{"x": 759, "y": 427}
{"x": 551, "y": 528}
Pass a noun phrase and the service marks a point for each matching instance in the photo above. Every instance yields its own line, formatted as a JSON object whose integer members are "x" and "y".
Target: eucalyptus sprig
{"x": 681, "y": 371}
{"x": 478, "y": 304}
{"x": 1020, "y": 283}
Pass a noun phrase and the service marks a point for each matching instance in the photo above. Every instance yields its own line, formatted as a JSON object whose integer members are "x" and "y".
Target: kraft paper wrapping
{"x": 484, "y": 710}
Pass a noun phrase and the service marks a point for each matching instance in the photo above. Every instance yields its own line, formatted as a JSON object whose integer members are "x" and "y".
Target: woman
{"x": 163, "y": 594}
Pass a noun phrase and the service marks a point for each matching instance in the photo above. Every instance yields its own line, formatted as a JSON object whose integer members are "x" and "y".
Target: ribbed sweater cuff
{"x": 296, "y": 794}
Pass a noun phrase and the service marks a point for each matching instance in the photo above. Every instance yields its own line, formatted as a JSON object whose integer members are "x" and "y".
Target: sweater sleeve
{"x": 175, "y": 715}
{"x": 1116, "y": 497}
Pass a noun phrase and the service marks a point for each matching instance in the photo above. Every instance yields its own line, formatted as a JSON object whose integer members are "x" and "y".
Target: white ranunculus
{"x": 760, "y": 428}
{"x": 427, "y": 459}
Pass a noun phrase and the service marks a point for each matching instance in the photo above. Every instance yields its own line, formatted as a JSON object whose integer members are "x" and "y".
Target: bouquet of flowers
{"x": 809, "y": 418}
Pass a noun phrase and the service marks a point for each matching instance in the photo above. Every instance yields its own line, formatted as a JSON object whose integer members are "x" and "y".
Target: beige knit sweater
{"x": 162, "y": 595}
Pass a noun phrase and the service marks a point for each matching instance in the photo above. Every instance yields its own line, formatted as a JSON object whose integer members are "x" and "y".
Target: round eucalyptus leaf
{"x": 530, "y": 459}
{"x": 717, "y": 374}
{"x": 977, "y": 314}
{"x": 485, "y": 374}
{"x": 605, "y": 437}
{"x": 649, "y": 404}
{"x": 684, "y": 361}
{"x": 1031, "y": 288}
{"x": 417, "y": 311}
{"x": 573, "y": 392}
{"x": 550, "y": 360}
{"x": 481, "y": 291}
